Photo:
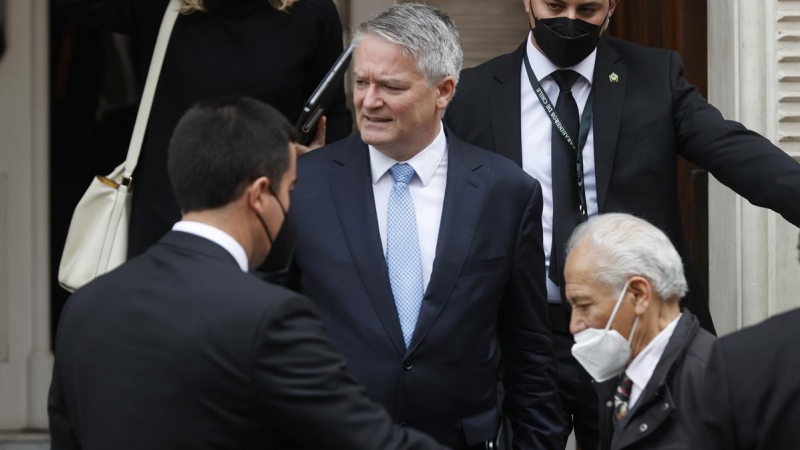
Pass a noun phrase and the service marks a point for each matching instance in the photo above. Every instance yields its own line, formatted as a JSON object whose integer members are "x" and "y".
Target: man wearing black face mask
{"x": 181, "y": 348}
{"x": 599, "y": 122}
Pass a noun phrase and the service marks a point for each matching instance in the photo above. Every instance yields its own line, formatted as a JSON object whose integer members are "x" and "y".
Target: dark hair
{"x": 222, "y": 145}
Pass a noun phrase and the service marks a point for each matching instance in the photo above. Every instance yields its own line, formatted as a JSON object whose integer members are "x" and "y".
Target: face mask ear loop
{"x": 616, "y": 307}
{"x": 283, "y": 210}
{"x": 633, "y": 330}
{"x": 264, "y": 225}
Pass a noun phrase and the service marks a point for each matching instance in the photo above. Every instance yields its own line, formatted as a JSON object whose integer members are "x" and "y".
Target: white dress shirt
{"x": 216, "y": 236}
{"x": 536, "y": 141}
{"x": 427, "y": 191}
{"x": 642, "y": 367}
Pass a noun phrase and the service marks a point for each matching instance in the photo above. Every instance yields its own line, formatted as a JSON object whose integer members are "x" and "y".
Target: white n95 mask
{"x": 604, "y": 352}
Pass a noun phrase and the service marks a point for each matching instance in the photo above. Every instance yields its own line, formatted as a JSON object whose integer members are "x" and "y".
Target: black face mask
{"x": 565, "y": 41}
{"x": 282, "y": 247}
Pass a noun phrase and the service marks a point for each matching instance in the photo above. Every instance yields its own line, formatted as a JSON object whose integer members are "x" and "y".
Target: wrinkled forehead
{"x": 376, "y": 56}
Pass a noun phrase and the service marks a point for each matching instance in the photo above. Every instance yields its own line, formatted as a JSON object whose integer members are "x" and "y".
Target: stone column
{"x": 40, "y": 357}
{"x": 754, "y": 78}
{"x": 25, "y": 356}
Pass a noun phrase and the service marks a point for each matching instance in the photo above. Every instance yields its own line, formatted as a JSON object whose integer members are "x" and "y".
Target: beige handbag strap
{"x": 142, "y": 117}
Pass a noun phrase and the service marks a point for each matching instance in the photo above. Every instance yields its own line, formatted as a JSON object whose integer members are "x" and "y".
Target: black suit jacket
{"x": 180, "y": 349}
{"x": 641, "y": 123}
{"x": 486, "y": 293}
{"x": 750, "y": 399}
{"x": 666, "y": 412}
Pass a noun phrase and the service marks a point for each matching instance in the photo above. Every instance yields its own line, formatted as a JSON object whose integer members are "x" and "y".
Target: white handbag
{"x": 97, "y": 241}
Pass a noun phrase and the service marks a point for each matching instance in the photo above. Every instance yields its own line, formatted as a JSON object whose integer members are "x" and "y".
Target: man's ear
{"x": 642, "y": 292}
{"x": 612, "y": 8}
{"x": 446, "y": 89}
{"x": 254, "y": 194}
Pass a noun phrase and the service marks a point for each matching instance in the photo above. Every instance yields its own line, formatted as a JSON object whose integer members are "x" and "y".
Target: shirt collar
{"x": 216, "y": 236}
{"x": 424, "y": 162}
{"x": 543, "y": 67}
{"x": 642, "y": 367}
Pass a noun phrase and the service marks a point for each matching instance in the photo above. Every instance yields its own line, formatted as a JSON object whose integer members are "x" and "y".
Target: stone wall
{"x": 754, "y": 78}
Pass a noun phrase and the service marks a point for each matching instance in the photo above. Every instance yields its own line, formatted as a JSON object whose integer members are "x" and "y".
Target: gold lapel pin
{"x": 614, "y": 78}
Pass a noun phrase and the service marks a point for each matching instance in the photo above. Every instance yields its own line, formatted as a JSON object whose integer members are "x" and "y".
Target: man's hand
{"x": 319, "y": 138}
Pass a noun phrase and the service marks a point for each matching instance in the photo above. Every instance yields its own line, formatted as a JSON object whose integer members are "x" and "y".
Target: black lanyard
{"x": 586, "y": 123}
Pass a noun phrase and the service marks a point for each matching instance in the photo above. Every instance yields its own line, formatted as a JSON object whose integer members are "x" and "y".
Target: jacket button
{"x": 407, "y": 364}
{"x": 666, "y": 406}
{"x": 610, "y": 404}
{"x": 643, "y": 427}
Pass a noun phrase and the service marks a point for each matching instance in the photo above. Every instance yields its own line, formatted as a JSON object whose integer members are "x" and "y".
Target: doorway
{"x": 681, "y": 26}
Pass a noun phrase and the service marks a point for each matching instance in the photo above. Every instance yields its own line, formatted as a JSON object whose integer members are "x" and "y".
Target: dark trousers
{"x": 578, "y": 397}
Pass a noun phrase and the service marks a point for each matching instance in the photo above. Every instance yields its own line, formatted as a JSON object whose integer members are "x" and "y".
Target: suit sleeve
{"x": 741, "y": 159}
{"x": 715, "y": 427}
{"x": 531, "y": 401}
{"x": 62, "y": 432}
{"x": 340, "y": 122}
{"x": 308, "y": 394}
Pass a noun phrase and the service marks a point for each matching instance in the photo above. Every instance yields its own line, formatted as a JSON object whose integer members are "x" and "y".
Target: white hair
{"x": 424, "y": 33}
{"x": 622, "y": 246}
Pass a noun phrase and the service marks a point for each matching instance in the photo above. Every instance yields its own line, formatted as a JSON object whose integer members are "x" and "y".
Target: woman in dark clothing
{"x": 276, "y": 51}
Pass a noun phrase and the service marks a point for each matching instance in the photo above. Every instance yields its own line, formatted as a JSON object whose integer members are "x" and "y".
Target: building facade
{"x": 754, "y": 77}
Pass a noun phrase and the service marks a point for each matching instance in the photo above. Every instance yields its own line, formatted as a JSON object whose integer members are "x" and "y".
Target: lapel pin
{"x": 614, "y": 78}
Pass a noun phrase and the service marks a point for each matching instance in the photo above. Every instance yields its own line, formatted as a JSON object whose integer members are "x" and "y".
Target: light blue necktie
{"x": 402, "y": 251}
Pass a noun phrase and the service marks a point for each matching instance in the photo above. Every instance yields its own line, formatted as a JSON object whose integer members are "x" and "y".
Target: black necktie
{"x": 566, "y": 203}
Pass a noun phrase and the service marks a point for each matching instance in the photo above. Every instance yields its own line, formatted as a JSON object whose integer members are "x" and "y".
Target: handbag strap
{"x": 143, "y": 116}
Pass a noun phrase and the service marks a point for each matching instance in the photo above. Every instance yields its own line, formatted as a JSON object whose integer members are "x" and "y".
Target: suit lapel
{"x": 463, "y": 201}
{"x": 504, "y": 107}
{"x": 609, "y": 98}
{"x": 351, "y": 188}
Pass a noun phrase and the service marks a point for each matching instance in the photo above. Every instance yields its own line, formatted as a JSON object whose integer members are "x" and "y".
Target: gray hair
{"x": 623, "y": 246}
{"x": 426, "y": 34}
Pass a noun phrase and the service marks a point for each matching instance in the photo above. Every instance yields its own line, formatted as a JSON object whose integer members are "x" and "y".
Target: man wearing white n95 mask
{"x": 624, "y": 281}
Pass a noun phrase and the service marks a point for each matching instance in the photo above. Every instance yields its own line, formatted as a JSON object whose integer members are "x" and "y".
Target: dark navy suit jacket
{"x": 486, "y": 294}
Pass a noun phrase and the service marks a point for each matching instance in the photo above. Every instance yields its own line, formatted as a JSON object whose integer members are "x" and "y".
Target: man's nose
{"x": 372, "y": 98}
{"x": 572, "y": 13}
{"x": 576, "y": 324}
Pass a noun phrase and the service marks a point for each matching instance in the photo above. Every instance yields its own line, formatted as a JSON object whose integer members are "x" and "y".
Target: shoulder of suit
{"x": 241, "y": 285}
{"x": 326, "y": 154}
{"x": 491, "y": 65}
{"x": 480, "y": 73}
{"x": 636, "y": 52}
{"x": 772, "y": 333}
{"x": 494, "y": 165}
{"x": 263, "y": 298}
{"x": 701, "y": 346}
